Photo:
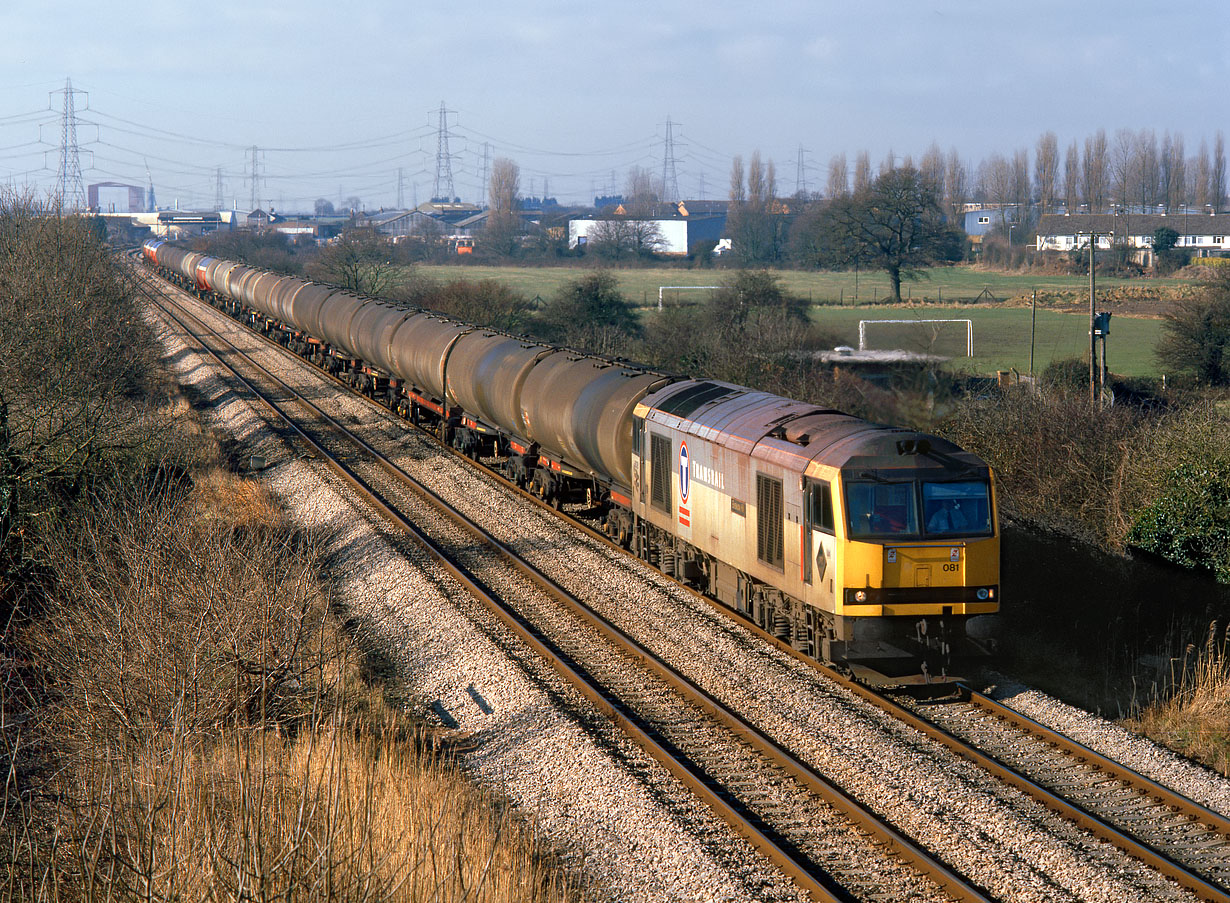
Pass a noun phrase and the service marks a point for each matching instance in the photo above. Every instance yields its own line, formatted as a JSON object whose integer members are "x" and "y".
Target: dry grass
{"x": 191, "y": 723}
{"x": 1193, "y": 716}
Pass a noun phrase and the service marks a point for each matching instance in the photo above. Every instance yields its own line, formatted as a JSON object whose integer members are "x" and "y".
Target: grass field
{"x": 940, "y": 284}
{"x": 1001, "y": 336}
{"x": 1001, "y": 326}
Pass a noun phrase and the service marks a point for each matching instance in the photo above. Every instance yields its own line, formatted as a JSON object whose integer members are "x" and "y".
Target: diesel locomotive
{"x": 856, "y": 543}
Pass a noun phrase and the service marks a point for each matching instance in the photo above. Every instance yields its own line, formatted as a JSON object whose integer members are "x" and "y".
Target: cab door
{"x": 820, "y": 542}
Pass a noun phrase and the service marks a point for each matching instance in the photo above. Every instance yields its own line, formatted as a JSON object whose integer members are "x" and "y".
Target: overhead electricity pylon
{"x": 443, "y": 188}
{"x": 254, "y": 176}
{"x": 670, "y": 179}
{"x": 70, "y": 188}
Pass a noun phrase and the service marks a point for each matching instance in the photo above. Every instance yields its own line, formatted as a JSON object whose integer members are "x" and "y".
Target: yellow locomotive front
{"x": 916, "y": 556}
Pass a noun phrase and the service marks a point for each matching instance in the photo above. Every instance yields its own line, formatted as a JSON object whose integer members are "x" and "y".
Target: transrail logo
{"x": 683, "y": 472}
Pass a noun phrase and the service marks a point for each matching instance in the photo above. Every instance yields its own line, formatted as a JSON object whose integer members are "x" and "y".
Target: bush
{"x": 1190, "y": 523}
{"x": 1197, "y": 334}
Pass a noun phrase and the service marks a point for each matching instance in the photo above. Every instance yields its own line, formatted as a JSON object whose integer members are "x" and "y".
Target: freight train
{"x": 856, "y": 543}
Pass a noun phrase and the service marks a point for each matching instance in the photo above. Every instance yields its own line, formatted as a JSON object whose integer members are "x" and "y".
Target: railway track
{"x": 1183, "y": 847}
{"x": 833, "y": 847}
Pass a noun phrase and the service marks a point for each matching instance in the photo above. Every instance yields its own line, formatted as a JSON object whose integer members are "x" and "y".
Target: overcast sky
{"x": 339, "y": 96}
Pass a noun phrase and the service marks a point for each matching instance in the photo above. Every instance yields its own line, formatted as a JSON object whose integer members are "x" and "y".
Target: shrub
{"x": 1190, "y": 523}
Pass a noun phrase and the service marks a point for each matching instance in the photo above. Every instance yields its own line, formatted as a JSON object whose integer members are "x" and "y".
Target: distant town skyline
{"x": 339, "y": 99}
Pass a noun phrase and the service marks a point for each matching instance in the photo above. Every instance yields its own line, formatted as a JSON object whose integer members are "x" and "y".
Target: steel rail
{"x": 799, "y": 872}
{"x": 1213, "y": 820}
{"x": 1149, "y": 855}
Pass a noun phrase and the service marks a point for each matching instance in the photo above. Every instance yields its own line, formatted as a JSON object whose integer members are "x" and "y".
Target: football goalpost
{"x": 922, "y": 335}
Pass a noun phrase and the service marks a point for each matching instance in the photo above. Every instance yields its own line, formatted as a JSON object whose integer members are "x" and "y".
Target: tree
{"x": 956, "y": 184}
{"x": 1093, "y": 172}
{"x": 619, "y": 238}
{"x": 1071, "y": 178}
{"x": 485, "y": 303}
{"x": 591, "y": 314}
{"x": 838, "y": 184}
{"x": 360, "y": 260}
{"x": 862, "y": 171}
{"x": 895, "y": 225}
{"x": 324, "y": 207}
{"x": 752, "y": 223}
{"x": 1046, "y": 169}
{"x": 642, "y": 193}
{"x": 1196, "y": 335}
{"x": 502, "y": 230}
{"x": 1168, "y": 257}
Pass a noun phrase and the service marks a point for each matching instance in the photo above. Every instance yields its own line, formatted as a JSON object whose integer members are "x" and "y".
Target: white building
{"x": 1205, "y": 235}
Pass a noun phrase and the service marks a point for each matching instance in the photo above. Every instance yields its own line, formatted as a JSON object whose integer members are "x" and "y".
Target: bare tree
{"x": 360, "y": 260}
{"x": 839, "y": 179}
{"x": 1148, "y": 171}
{"x": 1020, "y": 179}
{"x": 1217, "y": 173}
{"x": 624, "y": 237}
{"x": 932, "y": 165}
{"x": 1093, "y": 170}
{"x": 1072, "y": 178}
{"x": 752, "y": 223}
{"x": 1046, "y": 170}
{"x": 956, "y": 184}
{"x": 1122, "y": 165}
{"x": 995, "y": 183}
{"x": 503, "y": 194}
{"x": 862, "y": 171}
{"x": 737, "y": 193}
{"x": 643, "y": 192}
{"x": 1198, "y": 172}
{"x": 1178, "y": 174}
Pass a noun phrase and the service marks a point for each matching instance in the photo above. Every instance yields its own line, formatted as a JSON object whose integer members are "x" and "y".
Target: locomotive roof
{"x": 790, "y": 433}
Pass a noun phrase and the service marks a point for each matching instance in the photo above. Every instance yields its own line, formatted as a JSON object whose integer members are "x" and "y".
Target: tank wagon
{"x": 857, "y": 543}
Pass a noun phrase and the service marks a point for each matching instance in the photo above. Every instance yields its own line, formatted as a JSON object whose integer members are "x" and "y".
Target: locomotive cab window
{"x": 882, "y": 509}
{"x": 638, "y": 436}
{"x": 820, "y": 507}
{"x": 961, "y": 508}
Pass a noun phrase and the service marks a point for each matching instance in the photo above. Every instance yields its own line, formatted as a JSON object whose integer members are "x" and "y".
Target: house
{"x": 1205, "y": 235}
{"x": 980, "y": 219}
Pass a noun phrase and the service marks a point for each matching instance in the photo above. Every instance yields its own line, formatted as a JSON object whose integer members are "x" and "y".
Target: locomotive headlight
{"x": 860, "y": 596}
{"x": 984, "y": 594}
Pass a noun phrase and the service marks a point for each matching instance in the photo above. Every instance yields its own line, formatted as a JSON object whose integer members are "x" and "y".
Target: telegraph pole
{"x": 1093, "y": 341}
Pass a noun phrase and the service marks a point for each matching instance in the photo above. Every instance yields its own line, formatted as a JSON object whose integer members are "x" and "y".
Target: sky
{"x": 338, "y": 97}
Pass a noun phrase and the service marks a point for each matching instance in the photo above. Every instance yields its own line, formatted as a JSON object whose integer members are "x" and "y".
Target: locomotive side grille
{"x": 769, "y": 522}
{"x": 660, "y": 472}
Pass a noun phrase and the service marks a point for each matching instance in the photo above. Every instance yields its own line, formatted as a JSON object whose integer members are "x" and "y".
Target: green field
{"x": 1001, "y": 337}
{"x": 940, "y": 284}
{"x": 1001, "y": 326}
